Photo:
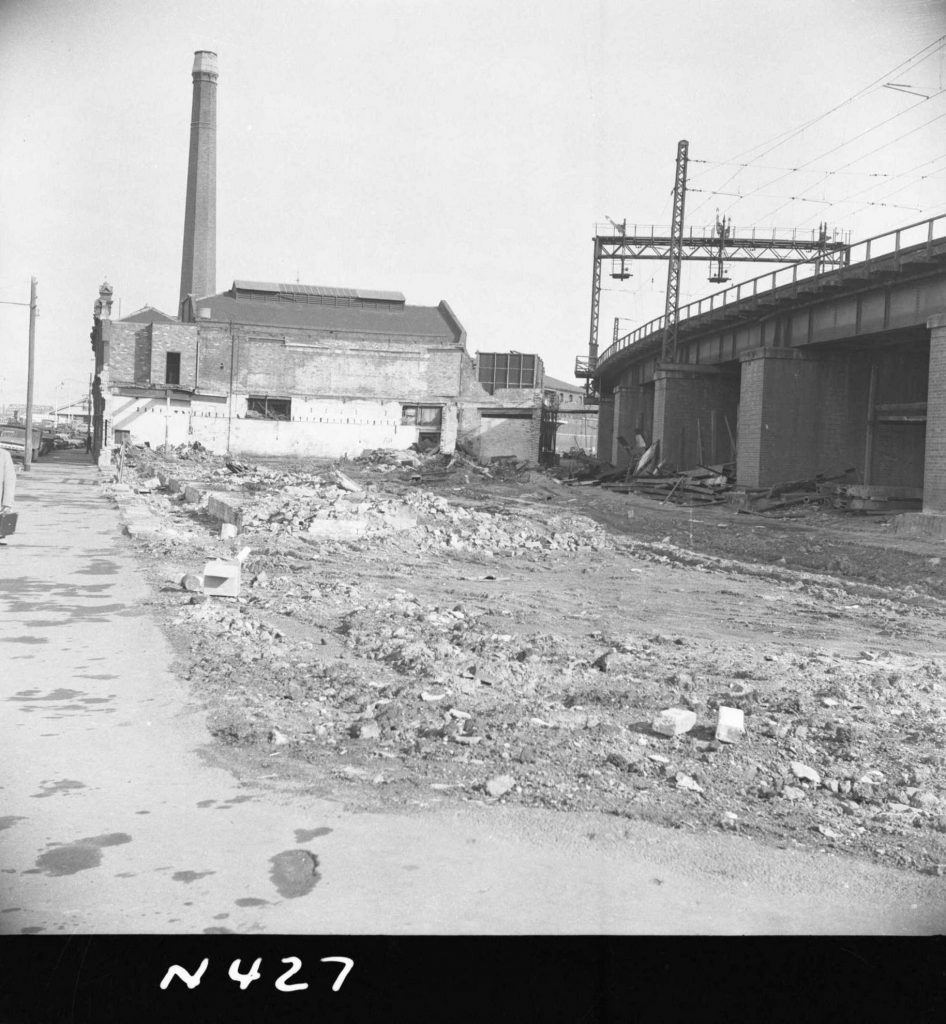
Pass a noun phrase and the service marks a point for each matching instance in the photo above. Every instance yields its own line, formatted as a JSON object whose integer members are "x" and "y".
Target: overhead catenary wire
{"x": 801, "y": 199}
{"x": 854, "y": 196}
{"x": 781, "y": 138}
{"x": 860, "y": 135}
{"x": 899, "y": 138}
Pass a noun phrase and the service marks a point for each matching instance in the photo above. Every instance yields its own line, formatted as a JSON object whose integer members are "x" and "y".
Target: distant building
{"x": 291, "y": 369}
{"x": 577, "y": 421}
{"x": 302, "y": 370}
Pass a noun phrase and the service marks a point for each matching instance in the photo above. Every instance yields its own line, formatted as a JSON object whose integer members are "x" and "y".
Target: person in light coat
{"x": 7, "y": 481}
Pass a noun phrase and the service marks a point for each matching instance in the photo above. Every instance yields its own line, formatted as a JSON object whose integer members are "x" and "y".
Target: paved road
{"x": 111, "y": 820}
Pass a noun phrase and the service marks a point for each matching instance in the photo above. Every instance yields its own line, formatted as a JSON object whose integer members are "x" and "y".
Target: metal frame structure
{"x": 675, "y": 254}
{"x": 679, "y": 245}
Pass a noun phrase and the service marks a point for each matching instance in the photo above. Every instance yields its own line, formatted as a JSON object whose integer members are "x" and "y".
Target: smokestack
{"x": 199, "y": 259}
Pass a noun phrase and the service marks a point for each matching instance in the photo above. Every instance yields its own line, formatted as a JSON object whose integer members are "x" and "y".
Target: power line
{"x": 785, "y": 136}
{"x": 801, "y": 199}
{"x": 925, "y": 124}
{"x": 860, "y": 135}
{"x": 769, "y": 167}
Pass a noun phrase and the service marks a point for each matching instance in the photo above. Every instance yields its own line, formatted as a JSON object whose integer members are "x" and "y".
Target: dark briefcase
{"x": 7, "y": 523}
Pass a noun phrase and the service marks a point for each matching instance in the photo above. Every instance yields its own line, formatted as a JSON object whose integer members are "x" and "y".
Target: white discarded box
{"x": 730, "y": 725}
{"x": 222, "y": 579}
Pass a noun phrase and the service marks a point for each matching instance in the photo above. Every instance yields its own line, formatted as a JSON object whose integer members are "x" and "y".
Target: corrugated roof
{"x": 426, "y": 321}
{"x": 316, "y": 289}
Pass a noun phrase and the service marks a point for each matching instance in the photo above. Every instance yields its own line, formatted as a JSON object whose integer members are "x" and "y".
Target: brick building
{"x": 290, "y": 369}
{"x": 300, "y": 370}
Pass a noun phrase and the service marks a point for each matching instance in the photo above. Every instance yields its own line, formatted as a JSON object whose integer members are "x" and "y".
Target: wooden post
{"x": 869, "y": 447}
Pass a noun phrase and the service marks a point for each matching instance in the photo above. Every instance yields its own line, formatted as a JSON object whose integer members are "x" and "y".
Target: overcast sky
{"x": 448, "y": 149}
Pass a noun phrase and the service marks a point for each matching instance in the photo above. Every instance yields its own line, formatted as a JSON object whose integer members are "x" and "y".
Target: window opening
{"x": 262, "y": 407}
{"x": 172, "y": 368}
{"x": 429, "y": 422}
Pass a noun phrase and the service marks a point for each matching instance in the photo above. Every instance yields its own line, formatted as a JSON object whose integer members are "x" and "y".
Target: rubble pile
{"x": 434, "y": 692}
{"x": 405, "y": 664}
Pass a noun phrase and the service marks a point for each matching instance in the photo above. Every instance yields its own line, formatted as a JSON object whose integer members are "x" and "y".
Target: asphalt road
{"x": 113, "y": 820}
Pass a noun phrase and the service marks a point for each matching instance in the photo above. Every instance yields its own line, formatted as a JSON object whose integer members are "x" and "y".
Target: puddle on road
{"x": 51, "y": 787}
{"x": 79, "y": 855}
{"x": 32, "y": 930}
{"x": 33, "y": 700}
{"x": 294, "y": 872}
{"x": 9, "y": 820}
{"x": 251, "y": 901}
{"x": 218, "y": 931}
{"x": 190, "y": 876}
{"x": 305, "y": 835}
{"x": 24, "y": 640}
{"x": 60, "y": 694}
{"x": 101, "y": 567}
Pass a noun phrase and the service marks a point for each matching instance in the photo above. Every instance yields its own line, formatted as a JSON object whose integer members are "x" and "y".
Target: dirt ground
{"x": 412, "y": 632}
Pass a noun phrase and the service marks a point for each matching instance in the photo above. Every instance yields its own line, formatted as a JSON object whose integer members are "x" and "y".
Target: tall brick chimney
{"x": 199, "y": 259}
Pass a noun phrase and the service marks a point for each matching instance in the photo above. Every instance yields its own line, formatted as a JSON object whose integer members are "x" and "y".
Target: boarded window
{"x": 429, "y": 422}
{"x": 505, "y": 370}
{"x": 172, "y": 368}
{"x": 263, "y": 407}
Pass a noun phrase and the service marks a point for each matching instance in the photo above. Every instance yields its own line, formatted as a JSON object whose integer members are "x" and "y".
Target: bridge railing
{"x": 709, "y": 231}
{"x": 860, "y": 254}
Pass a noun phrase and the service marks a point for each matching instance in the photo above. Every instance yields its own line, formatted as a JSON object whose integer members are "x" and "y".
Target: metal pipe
{"x": 28, "y": 437}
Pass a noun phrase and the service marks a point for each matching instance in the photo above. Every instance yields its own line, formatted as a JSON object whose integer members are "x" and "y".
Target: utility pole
{"x": 672, "y": 310}
{"x": 28, "y": 439}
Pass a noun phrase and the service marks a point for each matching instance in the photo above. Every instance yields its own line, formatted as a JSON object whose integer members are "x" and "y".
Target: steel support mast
{"x": 669, "y": 348}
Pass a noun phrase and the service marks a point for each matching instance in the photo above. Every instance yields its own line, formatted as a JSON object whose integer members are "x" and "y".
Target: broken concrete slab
{"x": 730, "y": 725}
{"x": 928, "y": 525}
{"x": 673, "y": 722}
{"x": 500, "y": 785}
{"x": 336, "y": 529}
{"x": 802, "y": 771}
{"x": 226, "y": 508}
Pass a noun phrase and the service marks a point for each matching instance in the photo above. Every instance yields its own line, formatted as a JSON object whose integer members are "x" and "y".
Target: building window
{"x": 262, "y": 407}
{"x": 172, "y": 368}
{"x": 429, "y": 422}
{"x": 506, "y": 370}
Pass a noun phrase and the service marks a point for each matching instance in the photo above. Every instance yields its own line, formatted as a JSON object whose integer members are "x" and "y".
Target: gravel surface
{"x": 411, "y": 626}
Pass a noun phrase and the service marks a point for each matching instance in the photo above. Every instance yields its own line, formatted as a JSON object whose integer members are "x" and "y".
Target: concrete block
{"x": 228, "y": 531}
{"x": 927, "y": 525}
{"x": 730, "y": 725}
{"x": 226, "y": 508}
{"x": 193, "y": 493}
{"x": 673, "y": 722}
